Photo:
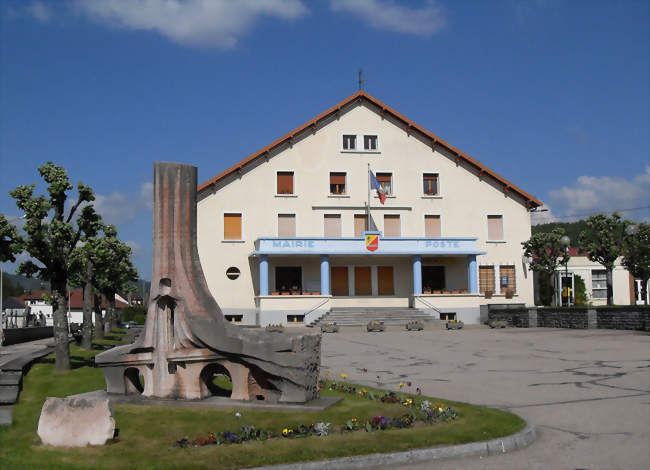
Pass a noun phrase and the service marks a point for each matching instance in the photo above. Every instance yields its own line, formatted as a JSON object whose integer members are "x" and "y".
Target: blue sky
{"x": 553, "y": 95}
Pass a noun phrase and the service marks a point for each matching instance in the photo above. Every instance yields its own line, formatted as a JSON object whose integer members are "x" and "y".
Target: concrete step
{"x": 9, "y": 395}
{"x": 10, "y": 379}
{"x": 6, "y": 415}
{"x": 355, "y": 316}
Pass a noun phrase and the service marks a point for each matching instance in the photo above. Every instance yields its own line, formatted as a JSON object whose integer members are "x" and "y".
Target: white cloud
{"x": 119, "y": 207}
{"x": 592, "y": 194}
{"x": 194, "y": 22}
{"x": 39, "y": 11}
{"x": 136, "y": 249}
{"x": 395, "y": 16}
{"x": 543, "y": 215}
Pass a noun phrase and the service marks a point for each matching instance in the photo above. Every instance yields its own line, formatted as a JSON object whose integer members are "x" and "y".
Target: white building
{"x": 626, "y": 289}
{"x": 282, "y": 234}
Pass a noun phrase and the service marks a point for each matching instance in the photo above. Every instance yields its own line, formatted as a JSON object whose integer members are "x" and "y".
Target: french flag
{"x": 374, "y": 184}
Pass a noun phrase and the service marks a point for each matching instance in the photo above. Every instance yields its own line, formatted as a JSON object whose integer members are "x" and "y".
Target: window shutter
{"x": 486, "y": 279}
{"x": 391, "y": 226}
{"x": 232, "y": 226}
{"x": 332, "y": 225}
{"x": 286, "y": 225}
{"x": 432, "y": 226}
{"x": 359, "y": 224}
{"x": 285, "y": 182}
{"x": 385, "y": 177}
{"x": 337, "y": 178}
{"x": 495, "y": 227}
{"x": 509, "y": 272}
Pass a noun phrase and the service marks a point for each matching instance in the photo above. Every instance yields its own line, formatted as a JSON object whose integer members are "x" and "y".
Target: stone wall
{"x": 21, "y": 335}
{"x": 624, "y": 318}
{"x": 561, "y": 318}
{"x": 617, "y": 318}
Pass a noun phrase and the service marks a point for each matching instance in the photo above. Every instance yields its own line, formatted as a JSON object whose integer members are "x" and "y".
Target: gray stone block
{"x": 76, "y": 422}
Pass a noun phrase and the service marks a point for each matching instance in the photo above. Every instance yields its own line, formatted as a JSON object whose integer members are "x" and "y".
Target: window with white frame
{"x": 337, "y": 183}
{"x": 598, "y": 284}
{"x": 385, "y": 180}
{"x": 370, "y": 142}
{"x": 349, "y": 142}
{"x": 495, "y": 227}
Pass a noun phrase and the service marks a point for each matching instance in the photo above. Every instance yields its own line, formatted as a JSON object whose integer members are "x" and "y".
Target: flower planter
{"x": 437, "y": 292}
{"x": 488, "y": 294}
{"x": 509, "y": 294}
{"x": 285, "y": 293}
{"x": 275, "y": 293}
{"x": 315, "y": 293}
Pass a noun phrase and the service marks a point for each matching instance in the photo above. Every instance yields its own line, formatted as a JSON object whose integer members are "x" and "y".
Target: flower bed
{"x": 417, "y": 411}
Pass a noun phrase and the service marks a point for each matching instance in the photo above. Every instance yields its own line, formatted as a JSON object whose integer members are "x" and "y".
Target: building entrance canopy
{"x": 371, "y": 244}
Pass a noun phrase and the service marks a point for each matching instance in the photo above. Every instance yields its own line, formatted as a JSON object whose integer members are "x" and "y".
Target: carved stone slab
{"x": 76, "y": 422}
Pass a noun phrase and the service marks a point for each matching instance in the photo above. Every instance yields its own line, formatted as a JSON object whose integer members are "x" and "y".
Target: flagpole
{"x": 368, "y": 205}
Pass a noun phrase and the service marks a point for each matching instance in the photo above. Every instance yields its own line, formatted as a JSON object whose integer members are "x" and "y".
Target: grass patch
{"x": 148, "y": 433}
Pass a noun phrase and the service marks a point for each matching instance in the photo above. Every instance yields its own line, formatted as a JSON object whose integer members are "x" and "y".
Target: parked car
{"x": 130, "y": 324}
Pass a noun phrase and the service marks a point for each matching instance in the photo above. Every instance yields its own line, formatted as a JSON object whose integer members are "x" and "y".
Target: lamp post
{"x": 566, "y": 241}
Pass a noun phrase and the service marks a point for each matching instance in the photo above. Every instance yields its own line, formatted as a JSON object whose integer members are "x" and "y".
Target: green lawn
{"x": 148, "y": 433}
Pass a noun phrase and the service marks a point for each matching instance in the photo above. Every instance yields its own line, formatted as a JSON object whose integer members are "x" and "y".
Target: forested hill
{"x": 572, "y": 229}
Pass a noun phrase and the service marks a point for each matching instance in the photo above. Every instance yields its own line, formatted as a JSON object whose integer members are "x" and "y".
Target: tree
{"x": 10, "y": 241}
{"x": 116, "y": 273}
{"x": 546, "y": 252}
{"x": 603, "y": 243}
{"x": 636, "y": 256}
{"x": 50, "y": 238}
{"x": 84, "y": 260}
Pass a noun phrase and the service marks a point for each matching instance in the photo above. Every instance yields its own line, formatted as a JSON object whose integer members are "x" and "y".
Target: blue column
{"x": 324, "y": 275}
{"x": 417, "y": 275}
{"x": 264, "y": 275}
{"x": 472, "y": 274}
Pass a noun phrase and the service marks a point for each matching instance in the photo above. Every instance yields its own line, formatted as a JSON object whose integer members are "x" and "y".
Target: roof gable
{"x": 409, "y": 126}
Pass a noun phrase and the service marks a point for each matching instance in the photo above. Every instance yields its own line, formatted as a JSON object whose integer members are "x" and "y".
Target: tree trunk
{"x": 108, "y": 319}
{"x": 99, "y": 320}
{"x": 87, "y": 327}
{"x": 557, "y": 295}
{"x": 111, "y": 306}
{"x": 60, "y": 320}
{"x": 610, "y": 290}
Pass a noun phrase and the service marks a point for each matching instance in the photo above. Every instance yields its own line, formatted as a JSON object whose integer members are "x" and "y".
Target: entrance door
{"x": 433, "y": 278}
{"x": 340, "y": 280}
{"x": 385, "y": 280}
{"x": 362, "y": 284}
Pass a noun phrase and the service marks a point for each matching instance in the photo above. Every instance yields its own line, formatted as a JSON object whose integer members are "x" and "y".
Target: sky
{"x": 550, "y": 94}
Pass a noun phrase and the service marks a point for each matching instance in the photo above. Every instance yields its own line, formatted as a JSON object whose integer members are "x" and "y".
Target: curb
{"x": 499, "y": 445}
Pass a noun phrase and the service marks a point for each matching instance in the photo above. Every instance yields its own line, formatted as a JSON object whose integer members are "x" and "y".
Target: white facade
{"x": 626, "y": 289}
{"x": 324, "y": 244}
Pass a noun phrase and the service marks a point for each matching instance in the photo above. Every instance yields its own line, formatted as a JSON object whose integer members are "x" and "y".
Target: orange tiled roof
{"x": 410, "y": 126}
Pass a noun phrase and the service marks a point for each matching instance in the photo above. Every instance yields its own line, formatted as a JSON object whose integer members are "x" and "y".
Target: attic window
{"x": 370, "y": 142}
{"x": 349, "y": 142}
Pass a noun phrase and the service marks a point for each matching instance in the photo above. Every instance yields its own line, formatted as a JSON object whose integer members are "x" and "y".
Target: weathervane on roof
{"x": 361, "y": 79}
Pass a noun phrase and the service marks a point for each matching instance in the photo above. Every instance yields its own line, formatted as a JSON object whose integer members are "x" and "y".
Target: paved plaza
{"x": 586, "y": 391}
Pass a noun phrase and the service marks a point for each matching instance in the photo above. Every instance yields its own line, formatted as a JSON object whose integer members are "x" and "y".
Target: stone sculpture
{"x": 414, "y": 325}
{"x": 375, "y": 325}
{"x": 76, "y": 422}
{"x": 186, "y": 339}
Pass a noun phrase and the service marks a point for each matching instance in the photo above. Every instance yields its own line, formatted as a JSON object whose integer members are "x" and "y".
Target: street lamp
{"x": 565, "y": 241}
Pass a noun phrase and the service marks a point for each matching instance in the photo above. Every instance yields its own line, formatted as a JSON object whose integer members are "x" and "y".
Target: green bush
{"x": 136, "y": 313}
{"x": 580, "y": 295}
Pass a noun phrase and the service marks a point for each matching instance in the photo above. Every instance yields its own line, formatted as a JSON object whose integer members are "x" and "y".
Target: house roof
{"x": 410, "y": 127}
{"x": 76, "y": 298}
{"x": 12, "y": 302}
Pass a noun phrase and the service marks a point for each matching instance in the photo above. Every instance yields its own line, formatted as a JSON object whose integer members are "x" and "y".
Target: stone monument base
{"x": 317, "y": 404}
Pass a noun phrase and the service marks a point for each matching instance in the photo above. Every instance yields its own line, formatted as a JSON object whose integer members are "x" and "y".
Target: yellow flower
{"x": 285, "y": 431}
{"x": 344, "y": 376}
{"x": 354, "y": 420}
{"x": 364, "y": 391}
{"x": 440, "y": 409}
{"x": 401, "y": 385}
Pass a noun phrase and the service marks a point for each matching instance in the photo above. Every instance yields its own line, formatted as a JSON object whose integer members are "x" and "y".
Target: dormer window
{"x": 349, "y": 142}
